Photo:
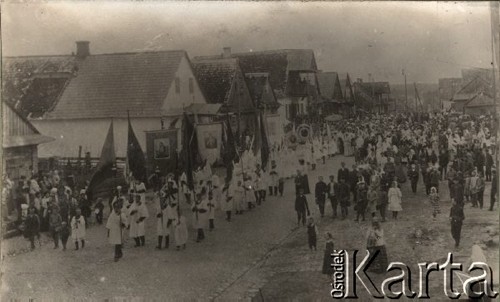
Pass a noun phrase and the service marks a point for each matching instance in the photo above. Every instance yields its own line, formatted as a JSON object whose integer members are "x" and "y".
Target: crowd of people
{"x": 389, "y": 151}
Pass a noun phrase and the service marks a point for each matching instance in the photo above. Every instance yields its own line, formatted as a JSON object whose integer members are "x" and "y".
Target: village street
{"x": 200, "y": 271}
{"x": 260, "y": 255}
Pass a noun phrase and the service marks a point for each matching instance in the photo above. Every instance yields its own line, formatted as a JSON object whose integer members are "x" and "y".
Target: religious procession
{"x": 135, "y": 171}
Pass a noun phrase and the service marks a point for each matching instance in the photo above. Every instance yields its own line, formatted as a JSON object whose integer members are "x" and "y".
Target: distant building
{"x": 476, "y": 95}
{"x": 347, "y": 91}
{"x": 330, "y": 90}
{"x": 292, "y": 75}
{"x": 447, "y": 89}
{"x": 155, "y": 88}
{"x": 373, "y": 96}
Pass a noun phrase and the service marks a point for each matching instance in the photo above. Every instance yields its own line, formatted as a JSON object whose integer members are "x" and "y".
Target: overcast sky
{"x": 429, "y": 40}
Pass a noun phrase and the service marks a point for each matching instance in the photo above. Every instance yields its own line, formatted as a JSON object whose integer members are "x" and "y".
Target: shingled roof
{"x": 108, "y": 85}
{"x": 217, "y": 77}
{"x": 329, "y": 86}
{"x": 260, "y": 90}
{"x": 33, "y": 83}
{"x": 275, "y": 62}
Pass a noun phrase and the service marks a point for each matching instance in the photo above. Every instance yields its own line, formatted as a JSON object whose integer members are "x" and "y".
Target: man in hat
{"x": 117, "y": 222}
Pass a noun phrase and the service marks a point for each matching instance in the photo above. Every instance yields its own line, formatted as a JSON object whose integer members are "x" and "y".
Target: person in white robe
{"x": 138, "y": 213}
{"x": 214, "y": 195}
{"x": 239, "y": 197}
{"x": 172, "y": 216}
{"x": 117, "y": 222}
{"x": 161, "y": 220}
{"x": 138, "y": 187}
{"x": 227, "y": 201}
{"x": 180, "y": 231}
{"x": 78, "y": 229}
{"x": 200, "y": 214}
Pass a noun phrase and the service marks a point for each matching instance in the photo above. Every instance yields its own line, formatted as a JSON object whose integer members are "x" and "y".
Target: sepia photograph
{"x": 250, "y": 150}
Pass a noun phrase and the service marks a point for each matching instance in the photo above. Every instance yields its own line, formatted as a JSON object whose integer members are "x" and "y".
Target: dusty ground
{"x": 260, "y": 255}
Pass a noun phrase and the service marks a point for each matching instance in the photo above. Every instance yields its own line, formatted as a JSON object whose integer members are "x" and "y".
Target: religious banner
{"x": 209, "y": 141}
{"x": 161, "y": 150}
{"x": 274, "y": 129}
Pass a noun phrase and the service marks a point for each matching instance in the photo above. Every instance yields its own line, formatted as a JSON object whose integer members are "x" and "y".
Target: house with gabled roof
{"x": 154, "y": 88}
{"x": 20, "y": 144}
{"x": 223, "y": 82}
{"x": 372, "y": 96}
{"x": 292, "y": 75}
{"x": 330, "y": 92}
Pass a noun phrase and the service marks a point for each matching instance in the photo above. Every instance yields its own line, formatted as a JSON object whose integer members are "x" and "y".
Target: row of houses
{"x": 73, "y": 98}
{"x": 473, "y": 93}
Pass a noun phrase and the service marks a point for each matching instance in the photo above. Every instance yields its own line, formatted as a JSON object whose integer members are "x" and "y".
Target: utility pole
{"x": 406, "y": 93}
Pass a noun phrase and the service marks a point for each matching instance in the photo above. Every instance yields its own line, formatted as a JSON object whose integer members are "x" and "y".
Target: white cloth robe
{"x": 78, "y": 228}
{"x": 200, "y": 220}
{"x": 180, "y": 231}
{"x": 138, "y": 229}
{"x": 161, "y": 222}
{"x": 114, "y": 225}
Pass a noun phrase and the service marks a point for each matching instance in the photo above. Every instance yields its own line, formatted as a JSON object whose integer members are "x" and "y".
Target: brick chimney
{"x": 227, "y": 52}
{"x": 82, "y": 49}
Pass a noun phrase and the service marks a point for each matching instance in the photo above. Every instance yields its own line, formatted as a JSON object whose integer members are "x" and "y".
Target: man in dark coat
{"x": 443, "y": 163}
{"x": 353, "y": 181}
{"x": 434, "y": 179}
{"x": 301, "y": 207}
{"x": 489, "y": 164}
{"x": 332, "y": 194}
{"x": 493, "y": 192}
{"x": 343, "y": 197}
{"x": 413, "y": 176}
{"x": 361, "y": 200}
{"x": 343, "y": 172}
{"x": 458, "y": 191}
{"x": 456, "y": 218}
{"x": 320, "y": 192}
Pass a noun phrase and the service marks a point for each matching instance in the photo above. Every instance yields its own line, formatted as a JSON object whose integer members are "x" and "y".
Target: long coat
{"x": 137, "y": 211}
{"x": 78, "y": 228}
{"x": 115, "y": 224}
{"x": 395, "y": 200}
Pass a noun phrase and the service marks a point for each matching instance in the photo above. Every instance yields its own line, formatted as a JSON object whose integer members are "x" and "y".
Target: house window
{"x": 301, "y": 108}
{"x": 177, "y": 85}
{"x": 191, "y": 85}
{"x": 287, "y": 111}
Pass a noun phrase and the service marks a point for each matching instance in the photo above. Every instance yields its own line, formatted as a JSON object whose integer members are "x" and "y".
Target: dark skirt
{"x": 379, "y": 264}
{"x": 327, "y": 259}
